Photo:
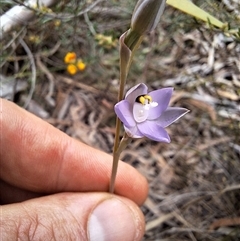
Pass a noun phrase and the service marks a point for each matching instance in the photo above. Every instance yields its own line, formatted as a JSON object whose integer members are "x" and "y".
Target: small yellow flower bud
{"x": 70, "y": 57}
{"x": 106, "y": 41}
{"x": 45, "y": 9}
{"x": 57, "y": 23}
{"x": 72, "y": 69}
{"x": 81, "y": 65}
{"x": 34, "y": 39}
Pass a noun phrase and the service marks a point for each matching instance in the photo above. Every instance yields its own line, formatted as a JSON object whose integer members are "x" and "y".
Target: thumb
{"x": 73, "y": 216}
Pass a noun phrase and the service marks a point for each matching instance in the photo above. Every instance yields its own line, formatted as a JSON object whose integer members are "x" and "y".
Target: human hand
{"x": 55, "y": 187}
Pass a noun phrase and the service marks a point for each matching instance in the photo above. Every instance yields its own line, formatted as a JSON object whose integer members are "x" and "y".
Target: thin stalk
{"x": 116, "y": 154}
{"x": 123, "y": 144}
{"x": 123, "y": 77}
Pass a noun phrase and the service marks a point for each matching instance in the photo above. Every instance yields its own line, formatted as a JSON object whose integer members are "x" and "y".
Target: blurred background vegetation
{"x": 194, "y": 181}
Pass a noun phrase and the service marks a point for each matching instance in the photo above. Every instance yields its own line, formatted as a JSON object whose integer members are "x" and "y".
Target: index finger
{"x": 38, "y": 157}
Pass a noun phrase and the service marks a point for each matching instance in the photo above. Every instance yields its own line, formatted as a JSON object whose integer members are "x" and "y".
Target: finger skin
{"x": 65, "y": 216}
{"x": 37, "y": 157}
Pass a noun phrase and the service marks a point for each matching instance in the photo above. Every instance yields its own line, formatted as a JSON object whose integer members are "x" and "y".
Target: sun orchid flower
{"x": 147, "y": 114}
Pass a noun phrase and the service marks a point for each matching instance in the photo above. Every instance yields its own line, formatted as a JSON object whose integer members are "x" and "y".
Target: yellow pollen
{"x": 144, "y": 99}
{"x": 148, "y": 97}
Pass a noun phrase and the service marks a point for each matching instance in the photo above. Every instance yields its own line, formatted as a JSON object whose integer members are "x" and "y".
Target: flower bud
{"x": 146, "y": 15}
{"x": 72, "y": 69}
{"x": 145, "y": 18}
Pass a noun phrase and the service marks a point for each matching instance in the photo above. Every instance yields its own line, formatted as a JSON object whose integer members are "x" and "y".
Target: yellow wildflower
{"x": 34, "y": 38}
{"x": 57, "y": 23}
{"x": 81, "y": 65}
{"x": 72, "y": 69}
{"x": 45, "y": 9}
{"x": 70, "y": 57}
{"x": 106, "y": 41}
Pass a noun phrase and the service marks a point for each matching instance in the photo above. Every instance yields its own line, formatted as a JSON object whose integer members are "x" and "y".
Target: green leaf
{"x": 191, "y": 9}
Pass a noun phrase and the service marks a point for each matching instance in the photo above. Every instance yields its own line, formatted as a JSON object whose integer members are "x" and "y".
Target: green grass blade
{"x": 191, "y": 9}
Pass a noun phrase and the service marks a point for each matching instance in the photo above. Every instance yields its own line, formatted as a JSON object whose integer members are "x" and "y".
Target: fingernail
{"x": 114, "y": 220}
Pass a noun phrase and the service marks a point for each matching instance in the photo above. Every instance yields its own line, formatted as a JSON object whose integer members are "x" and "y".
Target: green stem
{"x": 117, "y": 134}
{"x": 124, "y": 69}
{"x": 132, "y": 39}
{"x": 124, "y": 63}
{"x": 123, "y": 76}
{"x": 123, "y": 144}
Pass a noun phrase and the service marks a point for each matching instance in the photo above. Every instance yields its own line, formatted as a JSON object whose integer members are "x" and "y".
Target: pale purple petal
{"x": 124, "y": 113}
{"x": 133, "y": 132}
{"x": 153, "y": 131}
{"x": 134, "y": 92}
{"x": 171, "y": 115}
{"x": 162, "y": 97}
